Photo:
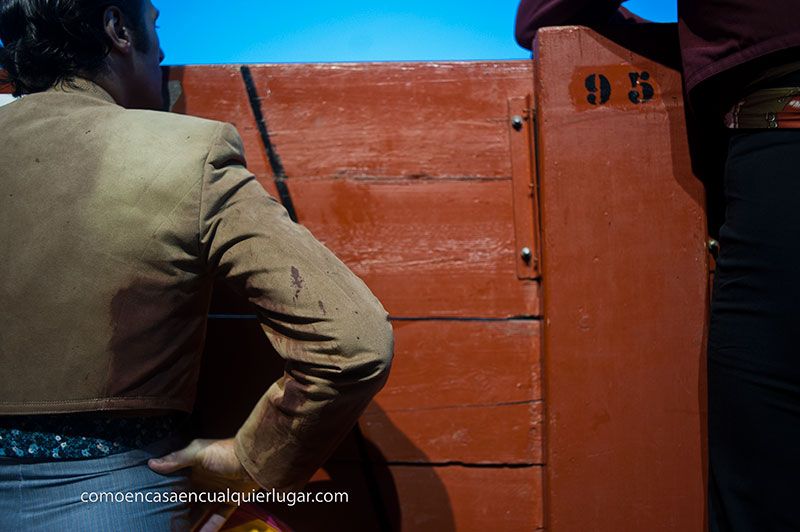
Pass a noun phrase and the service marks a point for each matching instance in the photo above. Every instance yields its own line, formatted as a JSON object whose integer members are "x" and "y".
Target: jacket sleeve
{"x": 323, "y": 320}
{"x": 535, "y": 14}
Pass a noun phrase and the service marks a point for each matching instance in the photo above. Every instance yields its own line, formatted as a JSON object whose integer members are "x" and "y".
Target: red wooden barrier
{"x": 422, "y": 178}
{"x": 415, "y": 176}
{"x": 404, "y": 170}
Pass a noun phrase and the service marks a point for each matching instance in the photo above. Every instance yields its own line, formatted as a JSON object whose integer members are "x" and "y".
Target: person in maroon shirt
{"x": 733, "y": 39}
{"x": 741, "y": 66}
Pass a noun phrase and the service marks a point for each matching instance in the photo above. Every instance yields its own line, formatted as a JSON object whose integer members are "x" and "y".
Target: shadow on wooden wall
{"x": 239, "y": 365}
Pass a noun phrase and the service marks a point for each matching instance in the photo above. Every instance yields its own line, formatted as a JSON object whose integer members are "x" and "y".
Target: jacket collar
{"x": 83, "y": 86}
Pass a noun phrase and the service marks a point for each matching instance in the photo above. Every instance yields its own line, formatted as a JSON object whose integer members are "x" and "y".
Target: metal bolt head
{"x": 516, "y": 122}
{"x": 526, "y": 254}
{"x": 713, "y": 246}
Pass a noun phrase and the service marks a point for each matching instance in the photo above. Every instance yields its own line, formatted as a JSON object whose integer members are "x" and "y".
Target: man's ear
{"x": 118, "y": 34}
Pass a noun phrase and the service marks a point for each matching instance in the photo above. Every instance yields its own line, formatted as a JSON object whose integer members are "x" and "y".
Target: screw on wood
{"x": 526, "y": 254}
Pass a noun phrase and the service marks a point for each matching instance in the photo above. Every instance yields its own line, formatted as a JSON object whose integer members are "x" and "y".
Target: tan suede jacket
{"x": 114, "y": 224}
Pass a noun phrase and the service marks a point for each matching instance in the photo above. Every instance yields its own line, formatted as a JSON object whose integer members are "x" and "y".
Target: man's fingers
{"x": 169, "y": 464}
{"x": 177, "y": 460}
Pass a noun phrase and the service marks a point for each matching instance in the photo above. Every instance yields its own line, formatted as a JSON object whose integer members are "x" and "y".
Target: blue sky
{"x": 263, "y": 31}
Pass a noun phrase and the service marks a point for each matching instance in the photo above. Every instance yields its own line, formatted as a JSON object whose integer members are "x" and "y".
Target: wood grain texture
{"x": 451, "y": 364}
{"x": 405, "y": 171}
{"x": 425, "y": 247}
{"x": 420, "y": 204}
{"x": 625, "y": 292}
{"x": 392, "y": 119}
{"x": 464, "y": 392}
{"x": 502, "y": 434}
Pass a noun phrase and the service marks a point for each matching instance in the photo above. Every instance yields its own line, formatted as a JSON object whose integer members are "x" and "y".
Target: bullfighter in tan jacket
{"x": 116, "y": 220}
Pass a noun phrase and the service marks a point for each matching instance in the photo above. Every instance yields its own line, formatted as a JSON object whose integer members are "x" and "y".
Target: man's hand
{"x": 214, "y": 464}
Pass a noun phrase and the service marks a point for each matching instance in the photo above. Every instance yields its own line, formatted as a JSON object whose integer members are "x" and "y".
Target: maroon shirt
{"x": 717, "y": 36}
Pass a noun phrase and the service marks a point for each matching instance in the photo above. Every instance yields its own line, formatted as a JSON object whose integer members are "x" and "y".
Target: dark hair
{"x": 49, "y": 41}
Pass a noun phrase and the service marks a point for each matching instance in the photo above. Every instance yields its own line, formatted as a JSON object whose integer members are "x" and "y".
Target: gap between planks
{"x": 479, "y": 405}
{"x": 396, "y": 318}
{"x": 449, "y": 463}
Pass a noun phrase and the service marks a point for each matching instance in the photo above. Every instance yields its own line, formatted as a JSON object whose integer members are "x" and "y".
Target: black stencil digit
{"x": 591, "y": 86}
{"x": 605, "y": 89}
{"x": 647, "y": 90}
{"x": 639, "y": 82}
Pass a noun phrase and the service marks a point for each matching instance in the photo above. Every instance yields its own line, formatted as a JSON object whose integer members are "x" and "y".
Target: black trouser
{"x": 754, "y": 340}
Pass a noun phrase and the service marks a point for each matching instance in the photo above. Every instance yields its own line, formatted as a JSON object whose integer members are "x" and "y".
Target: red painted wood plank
{"x": 427, "y": 247}
{"x": 459, "y": 391}
{"x": 625, "y": 289}
{"x": 392, "y": 119}
{"x": 430, "y": 248}
{"x": 451, "y": 364}
{"x": 378, "y": 120}
{"x": 503, "y": 434}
